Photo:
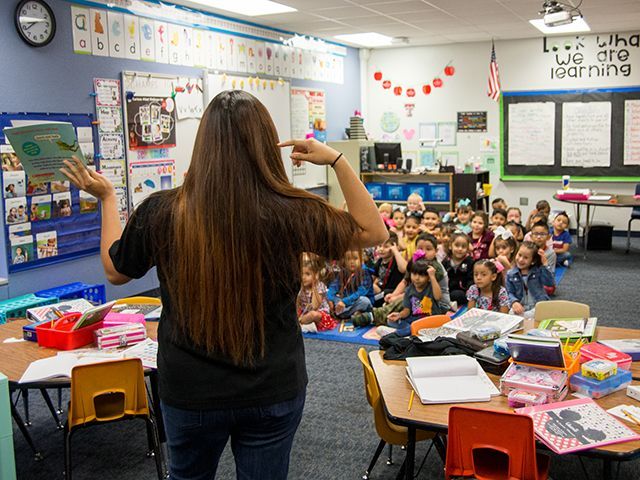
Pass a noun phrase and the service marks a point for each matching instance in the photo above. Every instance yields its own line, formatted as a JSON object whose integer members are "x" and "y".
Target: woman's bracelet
{"x": 336, "y": 160}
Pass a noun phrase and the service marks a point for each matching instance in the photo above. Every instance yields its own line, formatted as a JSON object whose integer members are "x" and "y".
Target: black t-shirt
{"x": 461, "y": 276}
{"x": 387, "y": 278}
{"x": 190, "y": 378}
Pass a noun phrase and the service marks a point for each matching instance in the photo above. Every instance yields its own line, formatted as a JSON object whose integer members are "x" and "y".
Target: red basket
{"x": 58, "y": 334}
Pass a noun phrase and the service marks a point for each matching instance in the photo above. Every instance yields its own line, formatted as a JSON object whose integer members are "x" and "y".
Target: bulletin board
{"x": 49, "y": 222}
{"x": 591, "y": 135}
{"x": 162, "y": 114}
{"x": 272, "y": 93}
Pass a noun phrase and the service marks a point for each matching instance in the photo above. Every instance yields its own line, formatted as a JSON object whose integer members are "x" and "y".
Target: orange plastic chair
{"x": 492, "y": 445}
{"x": 106, "y": 392}
{"x": 434, "y": 321}
{"x": 389, "y": 432}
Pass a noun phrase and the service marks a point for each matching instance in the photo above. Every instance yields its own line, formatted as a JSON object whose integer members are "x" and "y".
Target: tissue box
{"x": 113, "y": 318}
{"x": 120, "y": 335}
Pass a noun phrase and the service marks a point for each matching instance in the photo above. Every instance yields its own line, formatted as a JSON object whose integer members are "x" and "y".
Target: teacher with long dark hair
{"x": 227, "y": 246}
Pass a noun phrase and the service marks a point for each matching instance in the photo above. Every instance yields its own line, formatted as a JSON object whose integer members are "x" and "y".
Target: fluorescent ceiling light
{"x": 251, "y": 8}
{"x": 369, "y": 39}
{"x": 578, "y": 25}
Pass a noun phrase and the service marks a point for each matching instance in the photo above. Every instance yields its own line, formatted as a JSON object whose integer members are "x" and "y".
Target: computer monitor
{"x": 387, "y": 151}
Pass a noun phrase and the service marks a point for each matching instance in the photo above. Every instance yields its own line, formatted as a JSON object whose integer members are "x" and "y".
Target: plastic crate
{"x": 419, "y": 188}
{"x": 17, "y": 307}
{"x": 396, "y": 192}
{"x": 438, "y": 192}
{"x": 96, "y": 294}
{"x": 376, "y": 190}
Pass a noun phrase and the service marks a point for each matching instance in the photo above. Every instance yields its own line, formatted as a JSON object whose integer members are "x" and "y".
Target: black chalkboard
{"x": 615, "y": 172}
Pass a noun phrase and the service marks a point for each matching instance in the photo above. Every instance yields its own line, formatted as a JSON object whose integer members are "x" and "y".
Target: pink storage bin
{"x": 599, "y": 351}
{"x": 113, "y": 318}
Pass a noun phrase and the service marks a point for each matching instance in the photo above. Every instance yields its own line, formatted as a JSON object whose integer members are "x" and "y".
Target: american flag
{"x": 494, "y": 77}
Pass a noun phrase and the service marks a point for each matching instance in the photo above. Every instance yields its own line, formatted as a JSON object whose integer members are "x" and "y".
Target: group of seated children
{"x": 431, "y": 265}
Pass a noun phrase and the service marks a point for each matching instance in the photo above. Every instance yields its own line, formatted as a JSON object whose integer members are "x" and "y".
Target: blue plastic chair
{"x": 635, "y": 215}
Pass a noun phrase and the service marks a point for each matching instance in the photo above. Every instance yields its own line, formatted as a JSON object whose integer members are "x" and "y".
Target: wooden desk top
{"x": 16, "y": 357}
{"x": 396, "y": 391}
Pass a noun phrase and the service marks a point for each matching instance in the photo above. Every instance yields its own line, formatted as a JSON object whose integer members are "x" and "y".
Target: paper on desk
{"x": 602, "y": 198}
{"x": 13, "y": 340}
{"x": 56, "y": 367}
{"x": 633, "y": 410}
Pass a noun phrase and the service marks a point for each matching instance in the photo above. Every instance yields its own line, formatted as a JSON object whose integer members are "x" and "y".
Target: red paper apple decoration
{"x": 437, "y": 82}
{"x": 386, "y": 84}
{"x": 411, "y": 92}
{"x": 397, "y": 90}
{"x": 449, "y": 70}
{"x": 426, "y": 89}
{"x": 377, "y": 76}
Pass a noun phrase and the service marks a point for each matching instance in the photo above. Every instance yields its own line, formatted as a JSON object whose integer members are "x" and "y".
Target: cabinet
{"x": 469, "y": 185}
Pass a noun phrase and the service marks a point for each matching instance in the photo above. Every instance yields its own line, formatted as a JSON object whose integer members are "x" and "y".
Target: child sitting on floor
{"x": 411, "y": 231}
{"x": 526, "y": 281}
{"x": 462, "y": 216}
{"x": 421, "y": 298}
{"x": 499, "y": 203}
{"x": 459, "y": 268}
{"x": 539, "y": 235}
{"x": 398, "y": 218}
{"x": 562, "y": 239}
{"x": 351, "y": 290}
{"x": 488, "y": 292}
{"x": 386, "y": 211}
{"x": 430, "y": 220}
{"x": 498, "y": 218}
{"x": 388, "y": 270}
{"x": 542, "y": 208}
{"x": 414, "y": 204}
{"x": 311, "y": 304}
{"x": 504, "y": 247}
{"x": 481, "y": 237}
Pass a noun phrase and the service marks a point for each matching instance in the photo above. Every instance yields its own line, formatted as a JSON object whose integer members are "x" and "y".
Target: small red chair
{"x": 492, "y": 445}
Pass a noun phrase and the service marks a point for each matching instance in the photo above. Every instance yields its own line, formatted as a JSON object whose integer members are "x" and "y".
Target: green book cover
{"x": 42, "y": 147}
{"x": 571, "y": 328}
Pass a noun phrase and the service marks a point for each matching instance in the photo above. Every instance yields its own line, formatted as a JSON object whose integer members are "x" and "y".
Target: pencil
{"x": 341, "y": 326}
{"x": 57, "y": 312}
{"x": 632, "y": 417}
{"x": 413, "y": 393}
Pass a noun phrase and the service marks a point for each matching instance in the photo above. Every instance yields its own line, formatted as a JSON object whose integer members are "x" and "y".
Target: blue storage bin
{"x": 421, "y": 189}
{"x": 438, "y": 192}
{"x": 376, "y": 190}
{"x": 396, "y": 192}
{"x": 17, "y": 307}
{"x": 95, "y": 294}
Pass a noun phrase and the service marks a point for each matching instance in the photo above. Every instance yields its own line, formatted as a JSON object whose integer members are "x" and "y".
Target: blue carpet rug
{"x": 368, "y": 336}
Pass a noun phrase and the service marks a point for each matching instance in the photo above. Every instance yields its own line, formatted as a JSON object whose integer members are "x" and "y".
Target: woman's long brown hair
{"x": 238, "y": 229}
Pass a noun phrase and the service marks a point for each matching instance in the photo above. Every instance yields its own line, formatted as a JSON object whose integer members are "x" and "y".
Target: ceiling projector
{"x": 556, "y": 13}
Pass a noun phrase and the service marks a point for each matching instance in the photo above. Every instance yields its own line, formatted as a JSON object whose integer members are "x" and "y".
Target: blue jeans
{"x": 564, "y": 256}
{"x": 261, "y": 440}
{"x": 362, "y": 304}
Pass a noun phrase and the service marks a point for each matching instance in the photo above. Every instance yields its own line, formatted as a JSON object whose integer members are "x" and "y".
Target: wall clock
{"x": 35, "y": 22}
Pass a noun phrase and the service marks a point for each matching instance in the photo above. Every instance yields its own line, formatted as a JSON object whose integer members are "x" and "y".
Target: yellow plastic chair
{"x": 139, "y": 300}
{"x": 389, "y": 432}
{"x": 106, "y": 392}
{"x": 561, "y": 309}
{"x": 434, "y": 321}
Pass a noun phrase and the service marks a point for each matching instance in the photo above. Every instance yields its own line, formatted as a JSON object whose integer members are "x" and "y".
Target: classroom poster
{"x": 472, "y": 121}
{"x": 161, "y": 42}
{"x": 632, "y": 132}
{"x": 147, "y": 40}
{"x": 132, "y": 37}
{"x": 221, "y": 52}
{"x": 586, "y": 134}
{"x": 199, "y": 52}
{"x": 251, "y": 56}
{"x": 116, "y": 34}
{"x": 175, "y": 44}
{"x": 109, "y": 119}
{"x": 111, "y": 145}
{"x": 99, "y": 35}
{"x": 148, "y": 177}
{"x": 107, "y": 93}
{"x": 189, "y": 98}
{"x": 151, "y": 122}
{"x": 80, "y": 29}
{"x": 232, "y": 61}
{"x": 308, "y": 114}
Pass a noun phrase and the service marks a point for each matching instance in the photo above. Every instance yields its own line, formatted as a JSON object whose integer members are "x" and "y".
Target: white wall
{"x": 524, "y": 65}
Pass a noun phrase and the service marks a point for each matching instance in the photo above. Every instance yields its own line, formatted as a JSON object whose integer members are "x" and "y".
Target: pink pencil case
{"x": 113, "y": 318}
{"x": 120, "y": 335}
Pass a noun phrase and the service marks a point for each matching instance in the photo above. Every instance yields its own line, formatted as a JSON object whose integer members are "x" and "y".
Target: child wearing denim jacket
{"x": 351, "y": 290}
{"x": 526, "y": 281}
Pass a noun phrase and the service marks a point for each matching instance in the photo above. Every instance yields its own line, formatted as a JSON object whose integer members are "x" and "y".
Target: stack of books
{"x": 356, "y": 128}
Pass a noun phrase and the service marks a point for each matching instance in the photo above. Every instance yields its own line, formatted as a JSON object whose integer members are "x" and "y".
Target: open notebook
{"x": 449, "y": 379}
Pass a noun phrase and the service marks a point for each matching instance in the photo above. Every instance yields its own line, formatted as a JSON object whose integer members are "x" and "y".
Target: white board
{"x": 153, "y": 84}
{"x": 532, "y": 133}
{"x": 273, "y": 94}
{"x": 632, "y": 132}
{"x": 586, "y": 134}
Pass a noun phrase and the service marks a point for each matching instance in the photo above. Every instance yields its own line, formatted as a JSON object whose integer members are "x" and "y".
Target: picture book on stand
{"x": 576, "y": 425}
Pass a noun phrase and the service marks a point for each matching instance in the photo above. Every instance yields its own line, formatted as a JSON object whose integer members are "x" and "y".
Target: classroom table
{"x": 395, "y": 392}
{"x": 19, "y": 355}
{"x": 619, "y": 201}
